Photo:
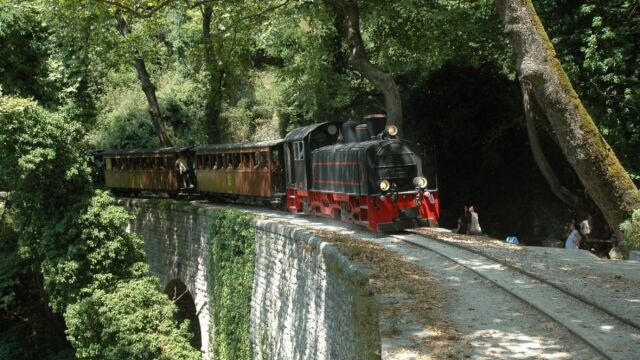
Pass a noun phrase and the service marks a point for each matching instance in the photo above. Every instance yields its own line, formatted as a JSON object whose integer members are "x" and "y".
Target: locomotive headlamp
{"x": 420, "y": 181}
{"x": 392, "y": 130}
{"x": 385, "y": 185}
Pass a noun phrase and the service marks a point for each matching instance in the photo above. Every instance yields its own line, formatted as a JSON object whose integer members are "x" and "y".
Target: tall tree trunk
{"x": 147, "y": 87}
{"x": 283, "y": 123}
{"x": 212, "y": 107}
{"x": 359, "y": 60}
{"x": 584, "y": 147}
{"x": 557, "y": 189}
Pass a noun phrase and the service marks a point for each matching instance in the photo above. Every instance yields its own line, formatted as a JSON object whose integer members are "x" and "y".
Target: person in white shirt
{"x": 181, "y": 168}
{"x": 474, "y": 225}
{"x": 586, "y": 225}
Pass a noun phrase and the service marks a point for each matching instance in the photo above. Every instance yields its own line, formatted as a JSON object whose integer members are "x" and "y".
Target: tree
{"x": 76, "y": 239}
{"x": 131, "y": 321}
{"x": 582, "y": 144}
{"x": 147, "y": 86}
{"x": 539, "y": 157}
{"x": 23, "y": 54}
{"x": 213, "y": 98}
{"x": 360, "y": 61}
{"x": 598, "y": 48}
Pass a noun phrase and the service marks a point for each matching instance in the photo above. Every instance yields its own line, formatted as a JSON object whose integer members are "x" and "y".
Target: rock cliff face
{"x": 308, "y": 301}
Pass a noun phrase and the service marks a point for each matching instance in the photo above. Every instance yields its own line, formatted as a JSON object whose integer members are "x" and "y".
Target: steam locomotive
{"x": 359, "y": 173}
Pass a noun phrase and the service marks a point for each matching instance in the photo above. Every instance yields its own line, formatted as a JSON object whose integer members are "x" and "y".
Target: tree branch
{"x": 265, "y": 11}
{"x": 134, "y": 12}
{"x": 558, "y": 190}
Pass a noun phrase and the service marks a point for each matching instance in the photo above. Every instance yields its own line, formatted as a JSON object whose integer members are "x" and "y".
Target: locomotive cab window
{"x": 298, "y": 150}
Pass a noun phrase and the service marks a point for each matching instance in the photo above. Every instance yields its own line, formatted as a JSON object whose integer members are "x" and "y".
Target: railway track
{"x": 609, "y": 334}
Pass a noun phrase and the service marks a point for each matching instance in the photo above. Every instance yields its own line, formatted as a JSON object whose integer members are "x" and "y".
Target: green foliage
{"x": 631, "y": 231}
{"x": 75, "y": 237}
{"x": 90, "y": 249}
{"x": 20, "y": 299}
{"x": 597, "y": 46}
{"x": 124, "y": 119}
{"x": 132, "y": 321}
{"x": 43, "y": 163}
{"x": 315, "y": 83}
{"x": 23, "y": 54}
{"x": 232, "y": 237}
{"x": 11, "y": 265}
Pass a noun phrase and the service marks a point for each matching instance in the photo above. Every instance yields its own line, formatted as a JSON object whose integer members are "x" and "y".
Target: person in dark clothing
{"x": 463, "y": 222}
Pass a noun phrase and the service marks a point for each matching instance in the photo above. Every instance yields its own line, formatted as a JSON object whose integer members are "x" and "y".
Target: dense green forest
{"x": 78, "y": 75}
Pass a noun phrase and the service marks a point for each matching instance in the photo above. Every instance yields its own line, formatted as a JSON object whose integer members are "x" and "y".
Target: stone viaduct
{"x": 308, "y": 300}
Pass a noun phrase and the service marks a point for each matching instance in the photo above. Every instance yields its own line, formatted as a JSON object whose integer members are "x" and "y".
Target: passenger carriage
{"x": 247, "y": 170}
{"x": 142, "y": 169}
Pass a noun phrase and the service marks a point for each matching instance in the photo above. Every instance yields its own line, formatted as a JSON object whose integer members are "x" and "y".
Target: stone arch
{"x": 187, "y": 310}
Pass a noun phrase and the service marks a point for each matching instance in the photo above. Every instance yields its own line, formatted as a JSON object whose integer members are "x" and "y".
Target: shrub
{"x": 631, "y": 231}
{"x": 134, "y": 321}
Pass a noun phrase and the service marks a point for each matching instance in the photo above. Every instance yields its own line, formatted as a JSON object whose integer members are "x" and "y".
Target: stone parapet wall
{"x": 177, "y": 248}
{"x": 308, "y": 302}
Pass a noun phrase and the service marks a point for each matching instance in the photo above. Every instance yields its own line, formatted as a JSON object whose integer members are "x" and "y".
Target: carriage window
{"x": 262, "y": 162}
{"x": 235, "y": 158}
{"x": 298, "y": 150}
{"x": 245, "y": 161}
{"x": 275, "y": 159}
{"x": 108, "y": 164}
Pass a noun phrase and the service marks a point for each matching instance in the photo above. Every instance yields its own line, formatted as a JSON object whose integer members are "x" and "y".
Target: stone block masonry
{"x": 177, "y": 248}
{"x": 308, "y": 300}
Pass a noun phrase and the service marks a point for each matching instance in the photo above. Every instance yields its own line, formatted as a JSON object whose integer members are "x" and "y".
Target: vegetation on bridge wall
{"x": 232, "y": 235}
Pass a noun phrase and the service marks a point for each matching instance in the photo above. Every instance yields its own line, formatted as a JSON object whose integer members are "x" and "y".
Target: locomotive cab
{"x": 298, "y": 146}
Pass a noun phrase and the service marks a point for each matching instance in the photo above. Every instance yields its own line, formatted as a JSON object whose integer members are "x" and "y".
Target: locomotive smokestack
{"x": 362, "y": 133}
{"x": 349, "y": 131}
{"x": 376, "y": 123}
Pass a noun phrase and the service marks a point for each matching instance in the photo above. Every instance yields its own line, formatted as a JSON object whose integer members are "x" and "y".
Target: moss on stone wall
{"x": 232, "y": 239}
